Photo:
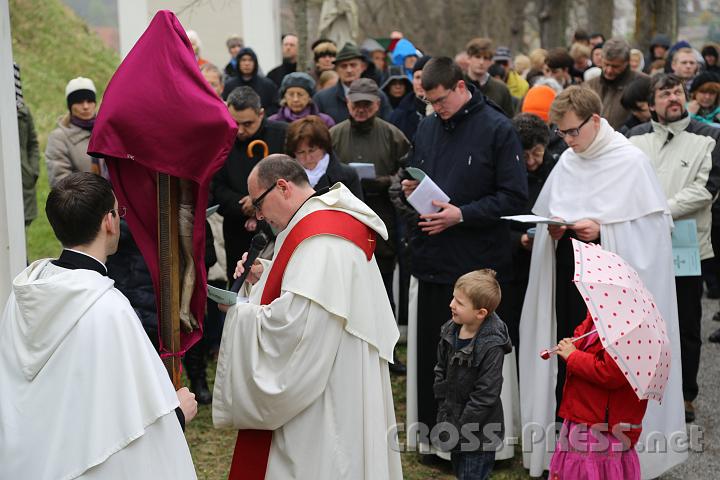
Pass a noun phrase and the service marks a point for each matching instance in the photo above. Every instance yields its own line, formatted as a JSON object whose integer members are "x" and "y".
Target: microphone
{"x": 257, "y": 244}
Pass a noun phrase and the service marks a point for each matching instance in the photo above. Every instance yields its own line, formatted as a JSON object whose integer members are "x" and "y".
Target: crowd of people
{"x": 617, "y": 143}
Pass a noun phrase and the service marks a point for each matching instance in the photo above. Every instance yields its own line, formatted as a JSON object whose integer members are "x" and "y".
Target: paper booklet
{"x": 685, "y": 248}
{"x": 422, "y": 197}
{"x": 536, "y": 219}
{"x": 224, "y": 297}
{"x": 364, "y": 170}
{"x": 211, "y": 210}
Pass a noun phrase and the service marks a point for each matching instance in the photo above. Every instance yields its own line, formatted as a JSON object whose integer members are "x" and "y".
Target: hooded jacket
{"x": 263, "y": 86}
{"x": 468, "y": 381}
{"x": 403, "y": 49}
{"x": 475, "y": 157}
{"x": 82, "y": 386}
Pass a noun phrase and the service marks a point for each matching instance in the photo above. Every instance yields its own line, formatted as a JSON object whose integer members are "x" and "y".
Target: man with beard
{"x": 229, "y": 186}
{"x": 616, "y": 75}
{"x": 682, "y": 159}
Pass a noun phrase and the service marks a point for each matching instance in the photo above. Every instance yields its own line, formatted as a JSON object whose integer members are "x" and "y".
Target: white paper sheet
{"x": 427, "y": 191}
{"x": 535, "y": 219}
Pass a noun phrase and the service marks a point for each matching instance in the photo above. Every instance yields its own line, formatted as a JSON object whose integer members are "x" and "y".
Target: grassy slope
{"x": 52, "y": 45}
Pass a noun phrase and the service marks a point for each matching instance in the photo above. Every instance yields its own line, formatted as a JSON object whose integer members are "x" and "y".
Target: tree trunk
{"x": 600, "y": 16}
{"x": 552, "y": 17}
{"x": 653, "y": 17}
{"x": 300, "y": 8}
{"x": 517, "y": 26}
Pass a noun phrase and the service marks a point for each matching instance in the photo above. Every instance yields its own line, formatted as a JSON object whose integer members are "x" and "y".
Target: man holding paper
{"x": 607, "y": 189}
{"x": 471, "y": 152}
{"x": 305, "y": 362}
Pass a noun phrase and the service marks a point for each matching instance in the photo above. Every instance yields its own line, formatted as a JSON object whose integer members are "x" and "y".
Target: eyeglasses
{"x": 257, "y": 203}
{"x": 120, "y": 211}
{"x": 439, "y": 100}
{"x": 572, "y": 132}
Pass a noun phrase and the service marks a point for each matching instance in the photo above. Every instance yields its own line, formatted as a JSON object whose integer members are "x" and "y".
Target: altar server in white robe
{"x": 310, "y": 362}
{"x": 608, "y": 189}
{"x": 83, "y": 394}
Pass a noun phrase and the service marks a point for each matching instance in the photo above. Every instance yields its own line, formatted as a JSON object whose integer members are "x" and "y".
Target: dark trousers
{"x": 689, "y": 298}
{"x": 570, "y": 308}
{"x": 472, "y": 465}
{"x": 433, "y": 310}
{"x": 387, "y": 278}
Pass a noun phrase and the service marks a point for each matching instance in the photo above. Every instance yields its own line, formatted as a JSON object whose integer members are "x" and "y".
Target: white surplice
{"x": 83, "y": 394}
{"x": 613, "y": 183}
{"x": 313, "y": 364}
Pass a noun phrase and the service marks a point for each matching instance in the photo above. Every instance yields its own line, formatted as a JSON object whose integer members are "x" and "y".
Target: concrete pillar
{"x": 261, "y": 31}
{"x": 12, "y": 219}
{"x": 132, "y": 22}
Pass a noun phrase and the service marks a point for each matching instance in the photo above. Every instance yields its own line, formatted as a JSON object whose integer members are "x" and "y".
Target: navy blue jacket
{"x": 476, "y": 158}
{"x": 407, "y": 115}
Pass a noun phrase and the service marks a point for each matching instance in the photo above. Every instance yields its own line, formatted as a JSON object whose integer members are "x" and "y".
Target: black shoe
{"x": 715, "y": 336}
{"x": 398, "y": 368}
{"x": 716, "y": 317}
{"x": 201, "y": 391}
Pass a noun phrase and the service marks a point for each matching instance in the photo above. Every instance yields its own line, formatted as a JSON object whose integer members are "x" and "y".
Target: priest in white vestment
{"x": 83, "y": 393}
{"x": 607, "y": 187}
{"x": 312, "y": 364}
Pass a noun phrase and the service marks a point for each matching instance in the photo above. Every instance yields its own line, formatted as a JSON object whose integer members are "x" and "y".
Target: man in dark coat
{"x": 229, "y": 186}
{"x": 480, "y": 54}
{"x": 616, "y": 76}
{"x": 471, "y": 151}
{"x": 248, "y": 76}
{"x": 412, "y": 109}
{"x": 289, "y": 63}
{"x": 349, "y": 65}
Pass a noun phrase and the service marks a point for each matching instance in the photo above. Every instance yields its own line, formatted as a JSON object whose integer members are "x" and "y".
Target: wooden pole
{"x": 169, "y": 249}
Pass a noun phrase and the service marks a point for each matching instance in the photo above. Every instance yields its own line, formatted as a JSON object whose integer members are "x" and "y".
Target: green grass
{"x": 212, "y": 449}
{"x": 52, "y": 45}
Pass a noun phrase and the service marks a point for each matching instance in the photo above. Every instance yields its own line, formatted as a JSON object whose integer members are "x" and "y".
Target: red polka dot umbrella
{"x": 626, "y": 318}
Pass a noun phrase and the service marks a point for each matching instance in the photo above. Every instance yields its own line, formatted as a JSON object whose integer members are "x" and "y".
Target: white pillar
{"x": 261, "y": 31}
{"x": 132, "y": 22}
{"x": 12, "y": 219}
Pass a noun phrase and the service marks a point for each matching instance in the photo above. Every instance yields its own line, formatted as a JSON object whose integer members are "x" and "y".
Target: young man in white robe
{"x": 607, "y": 188}
{"x": 83, "y": 392}
{"x": 305, "y": 361}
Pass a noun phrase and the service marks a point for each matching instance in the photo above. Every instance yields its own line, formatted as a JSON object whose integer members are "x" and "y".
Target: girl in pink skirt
{"x": 602, "y": 415}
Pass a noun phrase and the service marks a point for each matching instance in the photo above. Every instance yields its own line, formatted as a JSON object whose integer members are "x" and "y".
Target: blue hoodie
{"x": 403, "y": 49}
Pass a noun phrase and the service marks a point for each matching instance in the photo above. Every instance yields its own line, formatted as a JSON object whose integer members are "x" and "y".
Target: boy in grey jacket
{"x": 468, "y": 376}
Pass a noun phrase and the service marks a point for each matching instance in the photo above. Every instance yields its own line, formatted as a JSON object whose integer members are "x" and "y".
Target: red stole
{"x": 252, "y": 447}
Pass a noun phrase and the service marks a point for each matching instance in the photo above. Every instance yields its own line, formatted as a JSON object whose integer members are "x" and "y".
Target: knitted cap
{"x": 299, "y": 80}
{"x": 79, "y": 89}
{"x": 538, "y": 100}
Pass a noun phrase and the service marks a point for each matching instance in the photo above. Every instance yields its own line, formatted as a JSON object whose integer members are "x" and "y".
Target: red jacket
{"x": 597, "y": 392}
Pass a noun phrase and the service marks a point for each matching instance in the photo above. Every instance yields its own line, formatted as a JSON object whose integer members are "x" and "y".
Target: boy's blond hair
{"x": 481, "y": 288}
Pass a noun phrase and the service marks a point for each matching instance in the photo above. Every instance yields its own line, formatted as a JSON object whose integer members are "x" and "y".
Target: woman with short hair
{"x": 308, "y": 141}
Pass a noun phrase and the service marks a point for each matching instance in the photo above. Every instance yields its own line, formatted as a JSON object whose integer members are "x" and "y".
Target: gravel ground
{"x": 705, "y": 464}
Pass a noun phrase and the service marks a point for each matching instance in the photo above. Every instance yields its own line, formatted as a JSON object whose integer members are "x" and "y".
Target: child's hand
{"x": 565, "y": 348}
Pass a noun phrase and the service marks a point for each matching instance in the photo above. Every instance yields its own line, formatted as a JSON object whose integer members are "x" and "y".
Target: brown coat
{"x": 610, "y": 94}
{"x": 66, "y": 151}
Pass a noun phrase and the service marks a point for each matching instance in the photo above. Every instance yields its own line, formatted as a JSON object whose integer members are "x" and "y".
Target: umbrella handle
{"x": 251, "y": 146}
{"x": 545, "y": 354}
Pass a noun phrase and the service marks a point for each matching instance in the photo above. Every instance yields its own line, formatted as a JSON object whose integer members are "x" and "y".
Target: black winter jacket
{"x": 263, "y": 86}
{"x": 476, "y": 158}
{"x": 229, "y": 185}
{"x": 468, "y": 383}
{"x": 408, "y": 114}
{"x": 339, "y": 172}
